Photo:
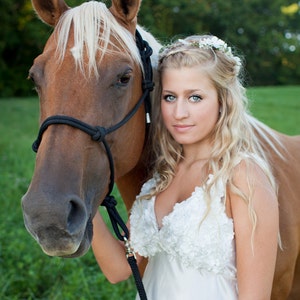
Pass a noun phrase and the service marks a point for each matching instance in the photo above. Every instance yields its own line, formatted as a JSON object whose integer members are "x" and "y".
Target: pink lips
{"x": 182, "y": 128}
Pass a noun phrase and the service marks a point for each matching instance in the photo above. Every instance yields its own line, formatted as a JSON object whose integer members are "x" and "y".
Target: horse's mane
{"x": 89, "y": 20}
{"x": 268, "y": 136}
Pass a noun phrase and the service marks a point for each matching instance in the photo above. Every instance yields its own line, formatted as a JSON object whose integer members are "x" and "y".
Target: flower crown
{"x": 209, "y": 42}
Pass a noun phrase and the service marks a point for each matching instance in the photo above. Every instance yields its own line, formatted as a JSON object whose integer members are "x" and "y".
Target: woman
{"x": 208, "y": 218}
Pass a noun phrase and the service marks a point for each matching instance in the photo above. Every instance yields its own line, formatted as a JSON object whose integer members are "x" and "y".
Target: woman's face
{"x": 189, "y": 105}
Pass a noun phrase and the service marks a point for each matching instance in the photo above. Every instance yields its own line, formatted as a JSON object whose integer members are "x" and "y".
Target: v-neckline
{"x": 183, "y": 202}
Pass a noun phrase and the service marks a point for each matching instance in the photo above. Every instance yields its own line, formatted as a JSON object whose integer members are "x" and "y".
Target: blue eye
{"x": 169, "y": 98}
{"x": 195, "y": 98}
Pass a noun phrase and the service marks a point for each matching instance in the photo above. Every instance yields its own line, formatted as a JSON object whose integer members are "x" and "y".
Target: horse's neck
{"x": 130, "y": 184}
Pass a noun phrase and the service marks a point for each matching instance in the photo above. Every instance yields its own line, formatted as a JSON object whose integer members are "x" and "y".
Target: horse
{"x": 90, "y": 73}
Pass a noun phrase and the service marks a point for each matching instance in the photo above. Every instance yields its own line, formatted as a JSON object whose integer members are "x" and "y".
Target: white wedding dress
{"x": 187, "y": 259}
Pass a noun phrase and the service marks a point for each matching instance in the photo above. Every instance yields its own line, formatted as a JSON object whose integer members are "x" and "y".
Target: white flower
{"x": 209, "y": 42}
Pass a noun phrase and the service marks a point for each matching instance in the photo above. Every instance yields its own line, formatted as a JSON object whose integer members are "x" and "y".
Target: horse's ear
{"x": 49, "y": 11}
{"x": 126, "y": 11}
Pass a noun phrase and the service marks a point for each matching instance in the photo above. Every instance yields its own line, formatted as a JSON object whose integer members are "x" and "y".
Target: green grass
{"x": 279, "y": 107}
{"x": 27, "y": 273}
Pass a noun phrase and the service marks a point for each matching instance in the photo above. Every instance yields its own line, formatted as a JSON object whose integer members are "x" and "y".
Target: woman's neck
{"x": 193, "y": 153}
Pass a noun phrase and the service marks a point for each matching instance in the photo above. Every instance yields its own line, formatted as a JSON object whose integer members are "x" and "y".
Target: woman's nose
{"x": 181, "y": 109}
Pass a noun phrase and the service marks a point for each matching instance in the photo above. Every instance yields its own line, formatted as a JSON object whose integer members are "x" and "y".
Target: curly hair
{"x": 234, "y": 137}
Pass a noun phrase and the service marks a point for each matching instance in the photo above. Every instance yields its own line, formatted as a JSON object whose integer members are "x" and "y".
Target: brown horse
{"x": 91, "y": 70}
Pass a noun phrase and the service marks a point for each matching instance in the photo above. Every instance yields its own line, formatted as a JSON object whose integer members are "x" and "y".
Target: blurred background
{"x": 266, "y": 32}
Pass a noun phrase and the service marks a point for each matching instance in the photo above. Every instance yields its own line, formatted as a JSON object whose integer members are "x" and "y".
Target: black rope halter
{"x": 98, "y": 134}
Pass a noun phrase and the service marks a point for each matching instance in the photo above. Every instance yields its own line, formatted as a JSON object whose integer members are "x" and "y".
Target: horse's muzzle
{"x": 61, "y": 230}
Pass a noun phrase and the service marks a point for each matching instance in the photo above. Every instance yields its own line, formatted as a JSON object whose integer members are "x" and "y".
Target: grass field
{"x": 27, "y": 273}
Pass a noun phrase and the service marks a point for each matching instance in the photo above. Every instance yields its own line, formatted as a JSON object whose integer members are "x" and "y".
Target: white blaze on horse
{"x": 91, "y": 73}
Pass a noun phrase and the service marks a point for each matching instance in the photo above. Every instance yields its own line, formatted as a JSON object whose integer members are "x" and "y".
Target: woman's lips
{"x": 182, "y": 128}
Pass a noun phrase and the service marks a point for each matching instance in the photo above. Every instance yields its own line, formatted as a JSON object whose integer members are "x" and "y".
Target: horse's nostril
{"x": 77, "y": 215}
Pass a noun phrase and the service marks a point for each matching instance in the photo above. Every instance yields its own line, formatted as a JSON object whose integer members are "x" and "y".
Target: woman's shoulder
{"x": 248, "y": 157}
{"x": 249, "y": 165}
{"x": 142, "y": 199}
{"x": 149, "y": 185}
{"x": 252, "y": 174}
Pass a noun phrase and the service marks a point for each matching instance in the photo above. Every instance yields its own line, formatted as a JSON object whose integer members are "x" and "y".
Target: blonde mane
{"x": 94, "y": 27}
{"x": 268, "y": 136}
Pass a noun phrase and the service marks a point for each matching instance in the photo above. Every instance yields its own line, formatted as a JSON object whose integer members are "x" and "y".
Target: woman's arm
{"x": 109, "y": 252}
{"x": 256, "y": 259}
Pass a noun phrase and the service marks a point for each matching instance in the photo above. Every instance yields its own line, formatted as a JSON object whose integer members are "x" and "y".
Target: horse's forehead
{"x": 110, "y": 61}
{"x": 85, "y": 87}
{"x": 91, "y": 60}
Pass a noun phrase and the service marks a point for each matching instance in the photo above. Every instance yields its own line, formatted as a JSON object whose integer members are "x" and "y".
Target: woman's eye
{"x": 169, "y": 98}
{"x": 195, "y": 98}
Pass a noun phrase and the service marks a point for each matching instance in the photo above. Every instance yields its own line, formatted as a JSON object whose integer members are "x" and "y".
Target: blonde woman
{"x": 208, "y": 218}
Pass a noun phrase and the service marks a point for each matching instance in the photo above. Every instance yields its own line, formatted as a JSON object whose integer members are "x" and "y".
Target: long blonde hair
{"x": 233, "y": 137}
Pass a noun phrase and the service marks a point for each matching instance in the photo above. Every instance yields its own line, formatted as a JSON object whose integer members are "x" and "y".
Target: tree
{"x": 266, "y": 32}
{"x": 290, "y": 71}
{"x": 257, "y": 28}
{"x": 22, "y": 38}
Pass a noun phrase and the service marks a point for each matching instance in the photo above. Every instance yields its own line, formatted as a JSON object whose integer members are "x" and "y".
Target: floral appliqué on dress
{"x": 205, "y": 245}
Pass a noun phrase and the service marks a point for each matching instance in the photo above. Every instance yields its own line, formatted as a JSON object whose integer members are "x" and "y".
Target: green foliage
{"x": 257, "y": 29}
{"x": 22, "y": 38}
{"x": 267, "y": 37}
{"x": 28, "y": 274}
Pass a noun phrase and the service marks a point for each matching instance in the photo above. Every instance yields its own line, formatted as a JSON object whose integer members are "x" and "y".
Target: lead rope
{"x": 117, "y": 224}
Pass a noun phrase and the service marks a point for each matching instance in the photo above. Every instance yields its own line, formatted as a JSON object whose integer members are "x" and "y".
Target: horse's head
{"x": 90, "y": 70}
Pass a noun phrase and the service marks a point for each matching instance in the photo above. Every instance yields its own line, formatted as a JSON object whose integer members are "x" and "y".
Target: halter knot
{"x": 99, "y": 134}
{"x": 109, "y": 202}
{"x": 148, "y": 85}
{"x": 147, "y": 50}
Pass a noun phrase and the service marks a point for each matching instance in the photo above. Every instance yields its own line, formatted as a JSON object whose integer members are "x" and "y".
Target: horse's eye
{"x": 124, "y": 78}
{"x": 30, "y": 77}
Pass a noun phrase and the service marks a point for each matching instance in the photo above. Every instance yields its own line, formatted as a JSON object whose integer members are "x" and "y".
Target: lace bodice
{"x": 203, "y": 244}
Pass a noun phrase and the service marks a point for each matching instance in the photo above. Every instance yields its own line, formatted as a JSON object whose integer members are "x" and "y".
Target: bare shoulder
{"x": 253, "y": 185}
{"x": 249, "y": 177}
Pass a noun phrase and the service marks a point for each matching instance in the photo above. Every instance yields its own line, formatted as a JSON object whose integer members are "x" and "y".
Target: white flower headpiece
{"x": 209, "y": 42}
